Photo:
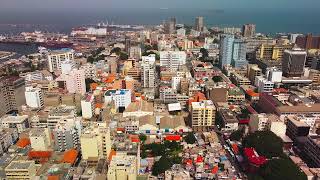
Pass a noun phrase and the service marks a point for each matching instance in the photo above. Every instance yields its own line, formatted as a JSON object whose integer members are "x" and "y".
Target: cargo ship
{"x": 56, "y": 44}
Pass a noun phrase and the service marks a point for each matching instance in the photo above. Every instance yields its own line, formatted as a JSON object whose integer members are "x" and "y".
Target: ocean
{"x": 269, "y": 21}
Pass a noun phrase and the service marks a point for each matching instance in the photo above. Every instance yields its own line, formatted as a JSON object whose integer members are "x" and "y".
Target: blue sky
{"x": 105, "y": 4}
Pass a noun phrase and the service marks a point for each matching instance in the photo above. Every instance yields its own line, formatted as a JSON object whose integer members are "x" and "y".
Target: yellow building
{"x": 272, "y": 52}
{"x": 123, "y": 166}
{"x": 21, "y": 170}
{"x": 203, "y": 115}
{"x": 253, "y": 71}
{"x": 95, "y": 141}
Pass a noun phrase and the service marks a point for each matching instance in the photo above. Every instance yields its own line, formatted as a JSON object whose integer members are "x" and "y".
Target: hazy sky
{"x": 105, "y": 4}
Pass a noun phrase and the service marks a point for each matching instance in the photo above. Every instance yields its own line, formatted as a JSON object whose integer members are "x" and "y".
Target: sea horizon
{"x": 268, "y": 21}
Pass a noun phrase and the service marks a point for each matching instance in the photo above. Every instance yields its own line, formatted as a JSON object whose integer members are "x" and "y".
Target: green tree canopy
{"x": 161, "y": 166}
{"x": 189, "y": 138}
{"x": 278, "y": 169}
{"x": 266, "y": 143}
{"x": 217, "y": 78}
{"x": 205, "y": 54}
{"x": 115, "y": 50}
{"x": 237, "y": 135}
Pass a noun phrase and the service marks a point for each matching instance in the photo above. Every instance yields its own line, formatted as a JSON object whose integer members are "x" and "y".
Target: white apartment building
{"x": 171, "y": 60}
{"x": 121, "y": 97}
{"x": 274, "y": 75}
{"x": 263, "y": 84}
{"x": 175, "y": 83}
{"x": 55, "y": 58}
{"x": 67, "y": 66}
{"x": 89, "y": 70}
{"x": 148, "y": 71}
{"x": 34, "y": 97}
{"x": 67, "y": 135}
{"x": 19, "y": 122}
{"x": 95, "y": 141}
{"x": 88, "y": 106}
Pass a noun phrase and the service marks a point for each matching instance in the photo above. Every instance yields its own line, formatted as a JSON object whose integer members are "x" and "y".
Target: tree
{"x": 90, "y": 59}
{"x": 237, "y": 135}
{"x": 142, "y": 138}
{"x": 205, "y": 54}
{"x": 217, "y": 79}
{"x": 281, "y": 169}
{"x": 147, "y": 53}
{"x": 161, "y": 166}
{"x": 189, "y": 138}
{"x": 123, "y": 56}
{"x": 88, "y": 81}
{"x": 115, "y": 50}
{"x": 266, "y": 143}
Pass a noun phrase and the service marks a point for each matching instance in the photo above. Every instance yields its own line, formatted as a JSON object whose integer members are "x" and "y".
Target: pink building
{"x": 73, "y": 82}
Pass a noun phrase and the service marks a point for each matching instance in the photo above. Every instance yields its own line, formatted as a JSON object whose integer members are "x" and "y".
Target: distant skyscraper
{"x": 308, "y": 41}
{"x": 199, "y": 25}
{"x": 239, "y": 53}
{"x": 232, "y": 51}
{"x": 127, "y": 45}
{"x": 226, "y": 43}
{"x": 249, "y": 30}
{"x": 170, "y": 26}
{"x": 293, "y": 62}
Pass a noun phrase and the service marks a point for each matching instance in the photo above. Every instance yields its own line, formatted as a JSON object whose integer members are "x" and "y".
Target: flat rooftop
{"x": 19, "y": 165}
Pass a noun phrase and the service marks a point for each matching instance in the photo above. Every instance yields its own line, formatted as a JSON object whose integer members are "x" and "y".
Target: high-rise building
{"x": 239, "y": 53}
{"x": 226, "y": 48}
{"x": 308, "y": 41}
{"x": 74, "y": 82}
{"x": 34, "y": 97}
{"x": 199, "y": 24}
{"x": 293, "y": 62}
{"x": 148, "y": 71}
{"x": 88, "y": 106}
{"x": 232, "y": 51}
{"x": 127, "y": 45}
{"x": 248, "y": 30}
{"x": 12, "y": 96}
{"x": 55, "y": 58}
{"x": 253, "y": 71}
{"x": 171, "y": 60}
{"x": 170, "y": 26}
{"x": 272, "y": 52}
{"x": 203, "y": 115}
{"x": 67, "y": 136}
{"x": 95, "y": 141}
